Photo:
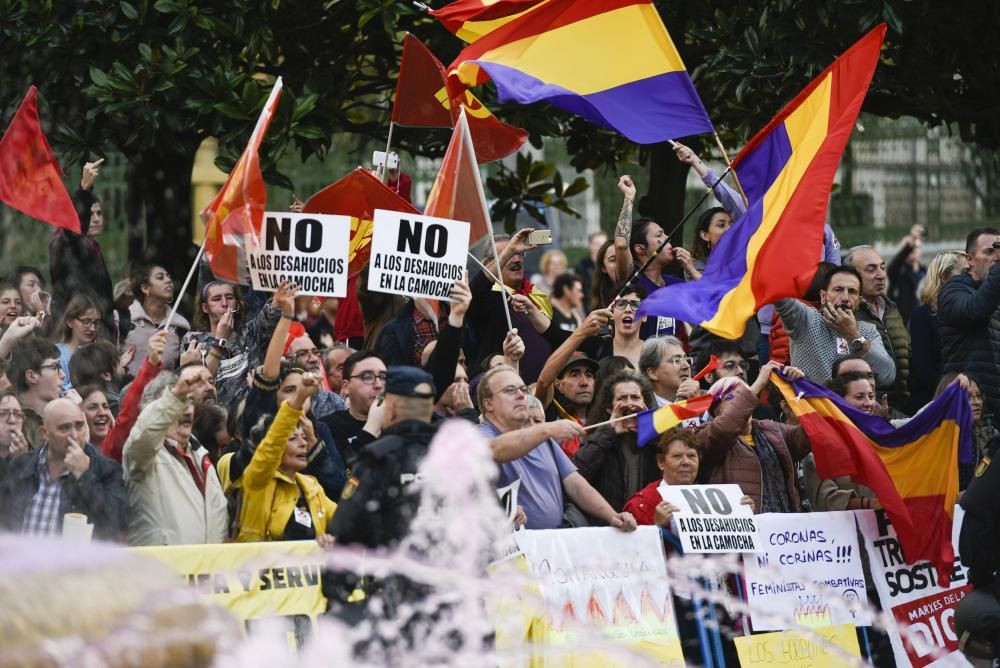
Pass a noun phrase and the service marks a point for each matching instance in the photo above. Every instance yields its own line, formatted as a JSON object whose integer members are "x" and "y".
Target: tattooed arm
{"x": 623, "y": 230}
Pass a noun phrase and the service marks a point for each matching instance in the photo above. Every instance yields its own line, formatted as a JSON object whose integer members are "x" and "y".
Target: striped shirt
{"x": 42, "y": 516}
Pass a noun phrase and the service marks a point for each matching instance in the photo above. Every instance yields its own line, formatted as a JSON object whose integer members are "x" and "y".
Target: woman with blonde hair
{"x": 925, "y": 332}
{"x": 551, "y": 265}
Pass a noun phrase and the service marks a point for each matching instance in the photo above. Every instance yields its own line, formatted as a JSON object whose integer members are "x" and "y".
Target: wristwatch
{"x": 857, "y": 344}
{"x": 223, "y": 344}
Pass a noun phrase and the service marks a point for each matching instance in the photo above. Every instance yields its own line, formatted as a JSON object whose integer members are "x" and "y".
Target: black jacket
{"x": 76, "y": 265}
{"x": 99, "y": 493}
{"x": 381, "y": 499}
{"x": 602, "y": 460}
{"x": 979, "y": 542}
{"x": 965, "y": 307}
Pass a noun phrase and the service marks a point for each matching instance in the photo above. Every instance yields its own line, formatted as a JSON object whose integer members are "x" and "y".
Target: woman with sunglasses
{"x": 81, "y": 326}
{"x": 758, "y": 455}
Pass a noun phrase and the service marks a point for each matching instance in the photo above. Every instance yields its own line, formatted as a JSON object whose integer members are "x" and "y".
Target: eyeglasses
{"x": 8, "y": 413}
{"x": 54, "y": 366}
{"x": 514, "y": 390}
{"x": 90, "y": 322}
{"x": 304, "y": 354}
{"x": 732, "y": 364}
{"x": 369, "y": 377}
{"x": 623, "y": 304}
{"x": 680, "y": 360}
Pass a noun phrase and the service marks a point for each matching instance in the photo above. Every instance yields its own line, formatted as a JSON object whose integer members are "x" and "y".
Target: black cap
{"x": 402, "y": 381}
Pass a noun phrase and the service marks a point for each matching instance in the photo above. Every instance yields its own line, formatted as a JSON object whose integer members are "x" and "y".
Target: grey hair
{"x": 535, "y": 402}
{"x": 653, "y": 351}
{"x": 849, "y": 258}
{"x": 156, "y": 387}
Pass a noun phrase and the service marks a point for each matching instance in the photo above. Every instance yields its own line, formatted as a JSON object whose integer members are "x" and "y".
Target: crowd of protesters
{"x": 260, "y": 419}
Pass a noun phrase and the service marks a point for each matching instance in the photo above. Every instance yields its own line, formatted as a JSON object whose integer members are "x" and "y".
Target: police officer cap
{"x": 403, "y": 381}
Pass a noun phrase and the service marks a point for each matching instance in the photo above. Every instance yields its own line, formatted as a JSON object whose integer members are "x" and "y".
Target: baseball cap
{"x": 576, "y": 358}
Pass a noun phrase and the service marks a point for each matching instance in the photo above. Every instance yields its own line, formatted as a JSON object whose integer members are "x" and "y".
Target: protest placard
{"x": 611, "y": 581}
{"x": 911, "y": 594}
{"x": 254, "y": 581}
{"x": 827, "y": 647}
{"x": 416, "y": 255}
{"x": 711, "y": 518}
{"x": 797, "y": 556}
{"x": 309, "y": 249}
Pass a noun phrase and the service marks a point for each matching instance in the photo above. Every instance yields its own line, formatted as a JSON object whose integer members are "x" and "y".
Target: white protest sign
{"x": 711, "y": 518}
{"x": 417, "y": 255}
{"x": 910, "y": 593}
{"x": 800, "y": 552}
{"x": 309, "y": 249}
{"x": 608, "y": 579}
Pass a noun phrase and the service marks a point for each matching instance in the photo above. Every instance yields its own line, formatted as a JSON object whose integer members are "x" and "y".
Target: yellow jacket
{"x": 270, "y": 496}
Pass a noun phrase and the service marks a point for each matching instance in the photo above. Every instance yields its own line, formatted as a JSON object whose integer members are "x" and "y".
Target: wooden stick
{"x": 611, "y": 421}
{"x": 385, "y": 165}
{"x": 725, "y": 156}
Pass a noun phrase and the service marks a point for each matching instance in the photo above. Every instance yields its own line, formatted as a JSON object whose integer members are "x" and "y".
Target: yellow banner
{"x": 794, "y": 649}
{"x": 253, "y": 580}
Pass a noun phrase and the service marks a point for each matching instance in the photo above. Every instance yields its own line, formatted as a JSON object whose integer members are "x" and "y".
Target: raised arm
{"x": 267, "y": 457}
{"x": 547, "y": 377}
{"x": 623, "y": 231}
{"x": 115, "y": 440}
{"x": 515, "y": 444}
{"x": 284, "y": 299}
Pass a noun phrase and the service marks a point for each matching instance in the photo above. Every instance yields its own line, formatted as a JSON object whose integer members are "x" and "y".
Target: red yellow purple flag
{"x": 30, "y": 178}
{"x": 611, "y": 62}
{"x": 238, "y": 210}
{"x": 471, "y": 19}
{"x": 422, "y": 100}
{"x": 656, "y": 421}
{"x": 913, "y": 470}
{"x": 787, "y": 171}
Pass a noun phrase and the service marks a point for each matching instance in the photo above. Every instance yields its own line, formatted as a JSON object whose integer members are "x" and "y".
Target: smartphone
{"x": 379, "y": 160}
{"x": 540, "y": 237}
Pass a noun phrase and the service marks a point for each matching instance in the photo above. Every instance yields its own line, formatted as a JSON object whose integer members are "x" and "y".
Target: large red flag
{"x": 356, "y": 195}
{"x": 238, "y": 210}
{"x": 457, "y": 192}
{"x": 471, "y": 19}
{"x": 422, "y": 100}
{"x": 30, "y": 178}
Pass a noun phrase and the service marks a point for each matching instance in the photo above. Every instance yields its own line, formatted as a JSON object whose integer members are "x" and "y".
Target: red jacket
{"x": 114, "y": 442}
{"x": 643, "y": 503}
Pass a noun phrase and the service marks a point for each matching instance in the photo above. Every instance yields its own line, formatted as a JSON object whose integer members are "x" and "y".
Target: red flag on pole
{"x": 238, "y": 209}
{"x": 357, "y": 195}
{"x": 422, "y": 100}
{"x": 457, "y": 192}
{"x": 30, "y": 178}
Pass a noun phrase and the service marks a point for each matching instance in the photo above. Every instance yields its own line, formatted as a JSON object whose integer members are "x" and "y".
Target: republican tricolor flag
{"x": 913, "y": 470}
{"x": 657, "y": 421}
{"x": 786, "y": 170}
{"x": 471, "y": 19}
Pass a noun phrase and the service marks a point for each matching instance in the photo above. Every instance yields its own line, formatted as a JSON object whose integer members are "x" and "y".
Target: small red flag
{"x": 457, "y": 192}
{"x": 30, "y": 178}
{"x": 471, "y": 19}
{"x": 422, "y": 100}
{"x": 713, "y": 364}
{"x": 238, "y": 209}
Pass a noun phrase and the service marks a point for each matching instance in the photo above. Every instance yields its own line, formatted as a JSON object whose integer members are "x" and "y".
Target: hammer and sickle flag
{"x": 423, "y": 100}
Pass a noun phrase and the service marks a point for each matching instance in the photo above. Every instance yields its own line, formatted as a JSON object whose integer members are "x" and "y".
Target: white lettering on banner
{"x": 310, "y": 250}
{"x": 415, "y": 255}
{"x": 508, "y": 498}
{"x": 711, "y": 518}
{"x": 911, "y": 594}
{"x": 781, "y": 579}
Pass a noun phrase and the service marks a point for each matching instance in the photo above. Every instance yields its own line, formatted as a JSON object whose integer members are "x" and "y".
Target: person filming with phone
{"x": 820, "y": 335}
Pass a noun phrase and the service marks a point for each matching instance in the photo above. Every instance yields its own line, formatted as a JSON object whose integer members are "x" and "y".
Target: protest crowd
{"x": 273, "y": 415}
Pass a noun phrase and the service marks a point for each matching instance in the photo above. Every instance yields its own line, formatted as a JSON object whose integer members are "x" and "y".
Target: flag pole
{"x": 385, "y": 165}
{"x": 467, "y": 138}
{"x": 736, "y": 177}
{"x": 611, "y": 421}
{"x": 187, "y": 280}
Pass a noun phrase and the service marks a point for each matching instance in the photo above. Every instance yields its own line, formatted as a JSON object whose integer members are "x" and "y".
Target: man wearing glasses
{"x": 37, "y": 378}
{"x": 668, "y": 368}
{"x": 531, "y": 454}
{"x": 361, "y": 422}
{"x": 302, "y": 352}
